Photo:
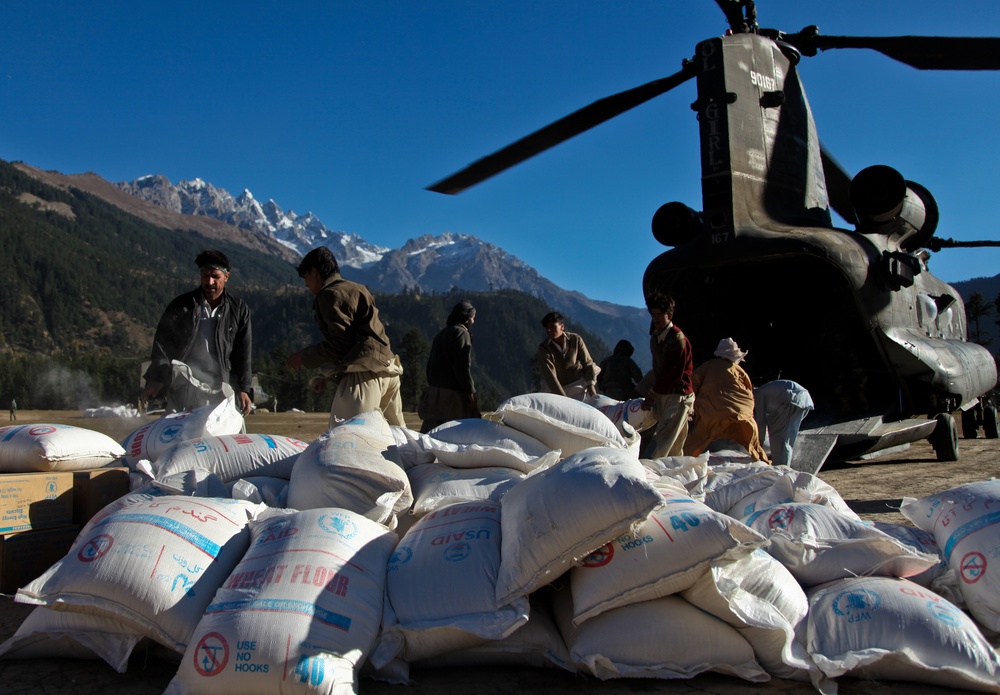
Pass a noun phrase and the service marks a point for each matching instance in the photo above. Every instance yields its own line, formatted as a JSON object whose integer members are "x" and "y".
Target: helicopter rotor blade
{"x": 921, "y": 52}
{"x": 838, "y": 186}
{"x": 559, "y": 131}
{"x": 936, "y": 244}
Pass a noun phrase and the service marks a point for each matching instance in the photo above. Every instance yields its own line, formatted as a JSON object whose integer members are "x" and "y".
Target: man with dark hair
{"x": 451, "y": 391}
{"x": 355, "y": 353}
{"x": 671, "y": 396}
{"x": 564, "y": 361}
{"x": 202, "y": 347}
{"x": 619, "y": 373}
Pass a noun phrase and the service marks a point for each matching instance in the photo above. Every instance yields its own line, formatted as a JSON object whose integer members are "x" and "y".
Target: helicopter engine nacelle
{"x": 675, "y": 224}
{"x": 887, "y": 204}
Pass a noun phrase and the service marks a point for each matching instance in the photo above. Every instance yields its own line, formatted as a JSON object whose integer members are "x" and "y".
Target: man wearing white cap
{"x": 723, "y": 406}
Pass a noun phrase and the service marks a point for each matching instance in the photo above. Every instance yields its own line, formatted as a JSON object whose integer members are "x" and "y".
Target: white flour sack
{"x": 48, "y": 633}
{"x": 792, "y": 486}
{"x": 232, "y": 456}
{"x": 560, "y": 422}
{"x": 664, "y": 638}
{"x": 818, "y": 544}
{"x": 689, "y": 471}
{"x": 965, "y": 521}
{"x": 667, "y": 553}
{"x": 154, "y": 565}
{"x": 729, "y": 483}
{"x": 477, "y": 443}
{"x": 761, "y": 599}
{"x": 42, "y": 447}
{"x": 922, "y": 542}
{"x": 441, "y": 584}
{"x": 892, "y": 629}
{"x": 300, "y": 612}
{"x": 151, "y": 440}
{"x": 346, "y": 468}
{"x": 435, "y": 485}
{"x": 559, "y": 515}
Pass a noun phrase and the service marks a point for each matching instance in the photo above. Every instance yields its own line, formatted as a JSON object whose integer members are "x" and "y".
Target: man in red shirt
{"x": 672, "y": 395}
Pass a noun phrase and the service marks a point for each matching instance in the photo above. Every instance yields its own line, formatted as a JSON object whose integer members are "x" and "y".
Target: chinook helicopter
{"x": 887, "y": 361}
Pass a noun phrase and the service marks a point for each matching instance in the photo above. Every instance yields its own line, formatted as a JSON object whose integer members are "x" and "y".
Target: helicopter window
{"x": 927, "y": 313}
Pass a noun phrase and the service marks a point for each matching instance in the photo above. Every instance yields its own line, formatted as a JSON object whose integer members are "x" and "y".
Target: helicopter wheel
{"x": 991, "y": 427}
{"x": 944, "y": 438}
{"x": 970, "y": 425}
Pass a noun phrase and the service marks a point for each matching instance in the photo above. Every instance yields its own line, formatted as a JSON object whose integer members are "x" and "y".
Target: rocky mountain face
{"x": 425, "y": 264}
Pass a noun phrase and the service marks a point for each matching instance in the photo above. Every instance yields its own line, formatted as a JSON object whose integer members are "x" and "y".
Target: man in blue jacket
{"x": 201, "y": 350}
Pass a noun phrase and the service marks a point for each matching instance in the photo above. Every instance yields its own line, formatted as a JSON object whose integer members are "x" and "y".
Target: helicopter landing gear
{"x": 944, "y": 438}
{"x": 991, "y": 427}
{"x": 970, "y": 424}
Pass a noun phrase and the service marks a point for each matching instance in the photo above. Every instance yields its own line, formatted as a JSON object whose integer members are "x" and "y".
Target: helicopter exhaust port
{"x": 887, "y": 204}
{"x": 675, "y": 224}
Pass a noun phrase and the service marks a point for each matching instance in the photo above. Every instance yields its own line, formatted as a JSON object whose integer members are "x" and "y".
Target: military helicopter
{"x": 853, "y": 314}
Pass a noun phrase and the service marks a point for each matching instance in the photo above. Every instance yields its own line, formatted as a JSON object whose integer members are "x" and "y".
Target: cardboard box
{"x": 27, "y": 554}
{"x": 35, "y": 500}
{"x": 96, "y": 488}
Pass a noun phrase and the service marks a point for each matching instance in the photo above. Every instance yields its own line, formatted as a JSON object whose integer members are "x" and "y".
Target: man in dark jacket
{"x": 671, "y": 396}
{"x": 451, "y": 392}
{"x": 354, "y": 354}
{"x": 202, "y": 347}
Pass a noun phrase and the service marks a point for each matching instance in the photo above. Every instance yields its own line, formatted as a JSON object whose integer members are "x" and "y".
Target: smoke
{"x": 61, "y": 388}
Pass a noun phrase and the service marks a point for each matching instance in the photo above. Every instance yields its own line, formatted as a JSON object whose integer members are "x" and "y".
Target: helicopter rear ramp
{"x": 855, "y": 438}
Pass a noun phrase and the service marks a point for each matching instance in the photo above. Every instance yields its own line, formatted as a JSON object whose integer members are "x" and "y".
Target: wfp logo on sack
{"x": 400, "y": 556}
{"x": 857, "y": 605}
{"x": 338, "y": 525}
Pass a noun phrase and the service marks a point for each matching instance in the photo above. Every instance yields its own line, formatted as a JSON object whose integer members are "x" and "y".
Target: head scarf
{"x": 728, "y": 349}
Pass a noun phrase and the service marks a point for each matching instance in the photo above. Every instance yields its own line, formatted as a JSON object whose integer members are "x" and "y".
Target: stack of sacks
{"x": 819, "y": 544}
{"x": 965, "y": 522}
{"x": 664, "y": 555}
{"x": 151, "y": 440}
{"x": 300, "y": 613}
{"x": 152, "y": 566}
{"x": 622, "y": 412}
{"x": 620, "y": 609}
{"x": 264, "y": 461}
{"x": 564, "y": 424}
{"x": 348, "y": 467}
{"x": 44, "y": 447}
{"x": 441, "y": 587}
{"x": 892, "y": 629}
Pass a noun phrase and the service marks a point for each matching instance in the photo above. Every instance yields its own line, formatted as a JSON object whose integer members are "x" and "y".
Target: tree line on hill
{"x": 85, "y": 283}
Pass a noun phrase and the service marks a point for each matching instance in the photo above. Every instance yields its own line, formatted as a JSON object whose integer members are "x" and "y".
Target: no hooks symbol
{"x": 96, "y": 548}
{"x": 211, "y": 655}
{"x": 973, "y": 567}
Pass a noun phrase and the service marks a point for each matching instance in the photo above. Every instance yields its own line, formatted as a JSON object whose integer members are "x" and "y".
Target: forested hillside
{"x": 84, "y": 284}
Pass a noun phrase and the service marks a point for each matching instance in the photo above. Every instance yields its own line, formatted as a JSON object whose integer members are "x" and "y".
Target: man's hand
{"x": 244, "y": 401}
{"x": 151, "y": 390}
{"x": 294, "y": 362}
{"x": 647, "y": 402}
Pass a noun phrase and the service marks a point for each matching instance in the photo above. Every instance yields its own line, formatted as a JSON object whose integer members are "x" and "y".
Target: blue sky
{"x": 350, "y": 109}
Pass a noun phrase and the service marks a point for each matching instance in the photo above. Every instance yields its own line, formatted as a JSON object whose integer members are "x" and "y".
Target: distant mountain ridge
{"x": 427, "y": 263}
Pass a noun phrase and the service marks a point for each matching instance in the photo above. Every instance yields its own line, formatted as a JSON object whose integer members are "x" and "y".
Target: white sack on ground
{"x": 666, "y": 554}
{"x": 690, "y": 471}
{"x": 300, "y": 612}
{"x": 44, "y": 447}
{"x": 892, "y": 629}
{"x": 792, "y": 486}
{"x": 818, "y": 544}
{"x": 965, "y": 522}
{"x": 664, "y": 638}
{"x": 154, "y": 438}
{"x": 559, "y": 515}
{"x": 476, "y": 443}
{"x": 761, "y": 600}
{"x": 51, "y": 634}
{"x": 441, "y": 584}
{"x": 257, "y": 488}
{"x": 154, "y": 565}
{"x": 435, "y": 485}
{"x": 346, "y": 468}
{"x": 729, "y": 483}
{"x": 232, "y": 456}
{"x": 922, "y": 542}
{"x": 536, "y": 644}
{"x": 560, "y": 422}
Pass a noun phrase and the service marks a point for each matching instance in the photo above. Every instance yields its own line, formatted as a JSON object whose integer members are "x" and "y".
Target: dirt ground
{"x": 873, "y": 488}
